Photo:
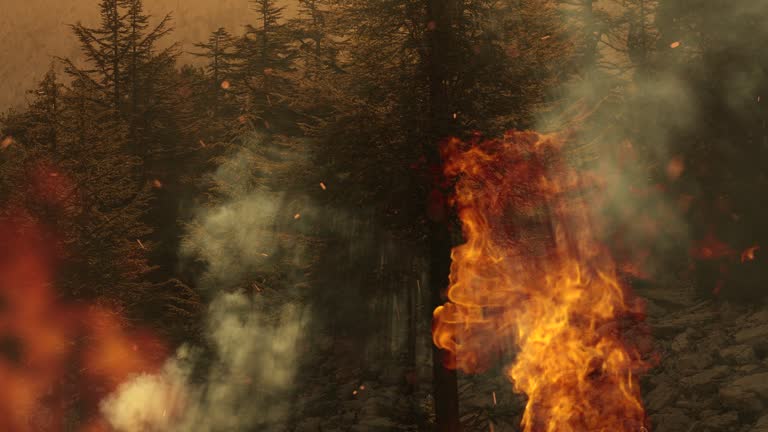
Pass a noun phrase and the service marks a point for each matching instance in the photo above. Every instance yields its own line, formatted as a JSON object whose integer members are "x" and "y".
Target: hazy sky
{"x": 33, "y": 31}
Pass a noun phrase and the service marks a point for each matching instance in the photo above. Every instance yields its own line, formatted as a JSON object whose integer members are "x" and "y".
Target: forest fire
{"x": 531, "y": 271}
{"x": 57, "y": 360}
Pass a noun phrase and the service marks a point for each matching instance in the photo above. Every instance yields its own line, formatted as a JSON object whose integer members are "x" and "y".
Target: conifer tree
{"x": 124, "y": 64}
{"x": 313, "y": 28}
{"x": 265, "y": 58}
{"x": 218, "y": 52}
{"x": 104, "y": 48}
{"x": 96, "y": 207}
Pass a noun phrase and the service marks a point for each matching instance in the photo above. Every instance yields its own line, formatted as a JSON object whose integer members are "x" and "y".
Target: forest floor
{"x": 713, "y": 370}
{"x": 711, "y": 376}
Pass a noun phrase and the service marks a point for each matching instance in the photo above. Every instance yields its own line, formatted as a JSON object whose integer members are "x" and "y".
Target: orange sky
{"x": 33, "y": 31}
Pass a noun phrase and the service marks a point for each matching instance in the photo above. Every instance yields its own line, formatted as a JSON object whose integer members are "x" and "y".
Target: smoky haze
{"x": 32, "y": 32}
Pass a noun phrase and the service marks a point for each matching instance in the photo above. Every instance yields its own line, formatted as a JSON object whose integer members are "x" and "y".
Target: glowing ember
{"x": 297, "y": 216}
{"x": 322, "y": 186}
{"x": 558, "y": 299}
{"x": 225, "y": 85}
{"x": 675, "y": 168}
{"x": 157, "y": 184}
{"x": 749, "y": 254}
{"x": 7, "y": 141}
{"x": 674, "y": 45}
{"x": 711, "y": 248}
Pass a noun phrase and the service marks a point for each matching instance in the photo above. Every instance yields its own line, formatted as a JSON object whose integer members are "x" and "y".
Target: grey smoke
{"x": 254, "y": 335}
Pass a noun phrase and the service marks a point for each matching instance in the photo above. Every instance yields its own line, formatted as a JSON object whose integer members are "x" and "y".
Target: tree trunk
{"x": 115, "y": 22}
{"x": 411, "y": 340}
{"x": 445, "y": 383}
{"x": 590, "y": 38}
{"x": 440, "y": 14}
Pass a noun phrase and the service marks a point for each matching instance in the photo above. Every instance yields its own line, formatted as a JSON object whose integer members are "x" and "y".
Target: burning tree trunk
{"x": 444, "y": 379}
{"x": 566, "y": 310}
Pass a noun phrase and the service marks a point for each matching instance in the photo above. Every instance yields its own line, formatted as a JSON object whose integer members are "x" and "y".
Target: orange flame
{"x": 531, "y": 272}
{"x": 749, "y": 253}
{"x": 53, "y": 354}
{"x": 57, "y": 359}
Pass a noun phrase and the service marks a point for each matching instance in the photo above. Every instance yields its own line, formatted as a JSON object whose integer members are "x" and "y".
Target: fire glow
{"x": 57, "y": 359}
{"x": 532, "y": 272}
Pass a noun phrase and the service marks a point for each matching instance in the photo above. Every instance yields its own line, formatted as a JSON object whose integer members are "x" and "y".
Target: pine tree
{"x": 313, "y": 28}
{"x": 266, "y": 58}
{"x": 143, "y": 64}
{"x": 124, "y": 65}
{"x": 641, "y": 35}
{"x": 104, "y": 48}
{"x": 87, "y": 192}
{"x": 48, "y": 104}
{"x": 218, "y": 52}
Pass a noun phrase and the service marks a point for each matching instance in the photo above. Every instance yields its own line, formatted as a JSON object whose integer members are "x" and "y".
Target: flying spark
{"x": 749, "y": 254}
{"x": 675, "y": 168}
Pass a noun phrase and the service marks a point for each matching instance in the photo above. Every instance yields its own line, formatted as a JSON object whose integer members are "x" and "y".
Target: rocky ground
{"x": 713, "y": 371}
{"x": 711, "y": 374}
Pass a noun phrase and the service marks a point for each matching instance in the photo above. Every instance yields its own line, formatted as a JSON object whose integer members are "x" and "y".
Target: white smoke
{"x": 247, "y": 385}
{"x": 253, "y": 335}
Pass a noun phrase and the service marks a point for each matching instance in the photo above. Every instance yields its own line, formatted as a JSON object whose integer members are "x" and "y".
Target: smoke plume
{"x": 244, "y": 380}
